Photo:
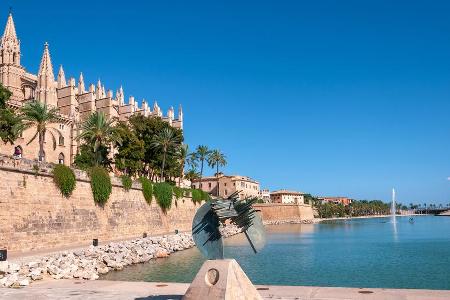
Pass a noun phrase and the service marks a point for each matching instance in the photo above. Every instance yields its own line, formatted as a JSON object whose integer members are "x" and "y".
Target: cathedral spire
{"x": 81, "y": 88}
{"x": 46, "y": 67}
{"x": 45, "y": 90}
{"x": 61, "y": 78}
{"x": 10, "y": 30}
{"x": 10, "y": 44}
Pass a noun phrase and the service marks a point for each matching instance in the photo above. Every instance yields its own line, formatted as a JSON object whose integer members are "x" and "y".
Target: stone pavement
{"x": 105, "y": 290}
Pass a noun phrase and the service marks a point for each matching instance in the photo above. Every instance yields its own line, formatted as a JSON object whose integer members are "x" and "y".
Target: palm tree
{"x": 217, "y": 159}
{"x": 98, "y": 131}
{"x": 183, "y": 152}
{"x": 202, "y": 152}
{"x": 39, "y": 115}
{"x": 192, "y": 175}
{"x": 166, "y": 141}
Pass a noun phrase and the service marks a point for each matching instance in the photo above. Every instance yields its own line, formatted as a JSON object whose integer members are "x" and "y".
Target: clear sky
{"x": 327, "y": 97}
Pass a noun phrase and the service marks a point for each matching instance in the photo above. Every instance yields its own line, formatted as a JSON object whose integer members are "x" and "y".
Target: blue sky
{"x": 328, "y": 97}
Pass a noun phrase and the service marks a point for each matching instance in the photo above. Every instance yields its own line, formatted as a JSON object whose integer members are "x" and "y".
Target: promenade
{"x": 109, "y": 290}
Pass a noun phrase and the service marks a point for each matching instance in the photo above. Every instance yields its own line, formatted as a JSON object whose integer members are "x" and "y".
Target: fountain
{"x": 393, "y": 208}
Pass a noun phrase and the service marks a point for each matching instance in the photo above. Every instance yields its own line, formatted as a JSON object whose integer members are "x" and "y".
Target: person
{"x": 17, "y": 154}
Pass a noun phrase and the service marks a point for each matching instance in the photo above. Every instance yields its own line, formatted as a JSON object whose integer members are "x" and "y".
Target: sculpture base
{"x": 221, "y": 279}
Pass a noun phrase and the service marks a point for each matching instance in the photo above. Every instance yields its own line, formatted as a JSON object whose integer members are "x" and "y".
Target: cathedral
{"x": 75, "y": 101}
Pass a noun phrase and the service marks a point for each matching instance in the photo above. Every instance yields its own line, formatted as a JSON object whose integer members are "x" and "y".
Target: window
{"x": 61, "y": 126}
{"x": 225, "y": 184}
{"x": 226, "y": 192}
{"x": 61, "y": 158}
{"x": 209, "y": 185}
{"x": 61, "y": 140}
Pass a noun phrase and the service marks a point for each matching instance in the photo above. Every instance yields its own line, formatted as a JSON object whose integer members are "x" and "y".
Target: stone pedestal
{"x": 222, "y": 280}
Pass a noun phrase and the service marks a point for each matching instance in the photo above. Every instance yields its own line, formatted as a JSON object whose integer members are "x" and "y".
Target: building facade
{"x": 287, "y": 197}
{"x": 225, "y": 185}
{"x": 264, "y": 194}
{"x": 75, "y": 100}
{"x": 336, "y": 200}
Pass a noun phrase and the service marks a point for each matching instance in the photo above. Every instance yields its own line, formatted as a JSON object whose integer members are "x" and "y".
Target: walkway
{"x": 106, "y": 290}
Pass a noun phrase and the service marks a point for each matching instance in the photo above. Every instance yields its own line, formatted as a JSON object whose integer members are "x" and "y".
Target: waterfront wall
{"x": 285, "y": 212}
{"x": 34, "y": 215}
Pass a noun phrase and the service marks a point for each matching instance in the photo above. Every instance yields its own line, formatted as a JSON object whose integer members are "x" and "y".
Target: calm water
{"x": 349, "y": 253}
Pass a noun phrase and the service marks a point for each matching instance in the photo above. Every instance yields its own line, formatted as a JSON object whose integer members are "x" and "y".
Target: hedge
{"x": 147, "y": 189}
{"x": 100, "y": 185}
{"x": 163, "y": 194}
{"x": 178, "y": 192}
{"x": 126, "y": 182}
{"x": 65, "y": 180}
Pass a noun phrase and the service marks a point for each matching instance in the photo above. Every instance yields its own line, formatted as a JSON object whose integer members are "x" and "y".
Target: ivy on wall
{"x": 65, "y": 180}
{"x": 163, "y": 192}
{"x": 100, "y": 185}
{"x": 126, "y": 182}
{"x": 147, "y": 189}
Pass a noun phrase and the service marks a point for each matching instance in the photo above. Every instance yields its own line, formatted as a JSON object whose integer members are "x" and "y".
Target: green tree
{"x": 145, "y": 129}
{"x": 183, "y": 153}
{"x": 202, "y": 153}
{"x": 38, "y": 115}
{"x": 98, "y": 131}
{"x": 166, "y": 141}
{"x": 11, "y": 124}
{"x": 217, "y": 159}
{"x": 130, "y": 152}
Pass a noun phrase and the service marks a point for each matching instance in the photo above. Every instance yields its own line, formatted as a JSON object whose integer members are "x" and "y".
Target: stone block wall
{"x": 285, "y": 212}
{"x": 34, "y": 215}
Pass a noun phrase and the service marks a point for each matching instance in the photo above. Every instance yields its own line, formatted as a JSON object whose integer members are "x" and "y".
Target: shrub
{"x": 178, "y": 192}
{"x": 100, "y": 185}
{"x": 126, "y": 182}
{"x": 147, "y": 189}
{"x": 196, "y": 196}
{"x": 163, "y": 194}
{"x": 64, "y": 179}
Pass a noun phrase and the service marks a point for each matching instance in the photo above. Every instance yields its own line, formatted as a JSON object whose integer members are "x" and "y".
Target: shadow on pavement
{"x": 161, "y": 297}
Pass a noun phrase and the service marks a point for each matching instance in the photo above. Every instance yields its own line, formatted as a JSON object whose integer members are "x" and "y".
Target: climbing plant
{"x": 163, "y": 193}
{"x": 100, "y": 185}
{"x": 126, "y": 182}
{"x": 147, "y": 189}
{"x": 65, "y": 180}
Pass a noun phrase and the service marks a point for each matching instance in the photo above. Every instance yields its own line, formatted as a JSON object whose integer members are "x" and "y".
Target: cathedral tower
{"x": 10, "y": 69}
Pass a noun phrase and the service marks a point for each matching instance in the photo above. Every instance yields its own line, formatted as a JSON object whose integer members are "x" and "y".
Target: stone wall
{"x": 285, "y": 212}
{"x": 34, "y": 215}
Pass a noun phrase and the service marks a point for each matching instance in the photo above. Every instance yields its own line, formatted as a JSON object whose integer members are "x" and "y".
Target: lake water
{"x": 348, "y": 253}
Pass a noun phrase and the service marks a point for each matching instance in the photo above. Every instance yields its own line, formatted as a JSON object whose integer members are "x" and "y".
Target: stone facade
{"x": 75, "y": 101}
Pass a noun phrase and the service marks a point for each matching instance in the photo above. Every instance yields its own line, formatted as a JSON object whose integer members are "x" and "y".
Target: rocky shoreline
{"x": 280, "y": 222}
{"x": 93, "y": 261}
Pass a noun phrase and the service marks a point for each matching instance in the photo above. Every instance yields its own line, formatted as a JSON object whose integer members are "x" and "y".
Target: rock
{"x": 36, "y": 275}
{"x": 24, "y": 282}
{"x": 53, "y": 270}
{"x": 12, "y": 268}
{"x": 161, "y": 253}
{"x": 3, "y": 267}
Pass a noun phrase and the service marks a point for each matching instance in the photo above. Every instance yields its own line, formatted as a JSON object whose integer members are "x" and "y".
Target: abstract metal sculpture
{"x": 209, "y": 217}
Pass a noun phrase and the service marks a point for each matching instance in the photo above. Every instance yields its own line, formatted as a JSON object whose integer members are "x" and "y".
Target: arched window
{"x": 14, "y": 57}
{"x": 61, "y": 158}
{"x": 61, "y": 140}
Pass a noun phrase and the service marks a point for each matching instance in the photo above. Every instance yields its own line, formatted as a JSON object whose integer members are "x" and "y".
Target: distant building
{"x": 285, "y": 196}
{"x": 264, "y": 194}
{"x": 336, "y": 200}
{"x": 228, "y": 184}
